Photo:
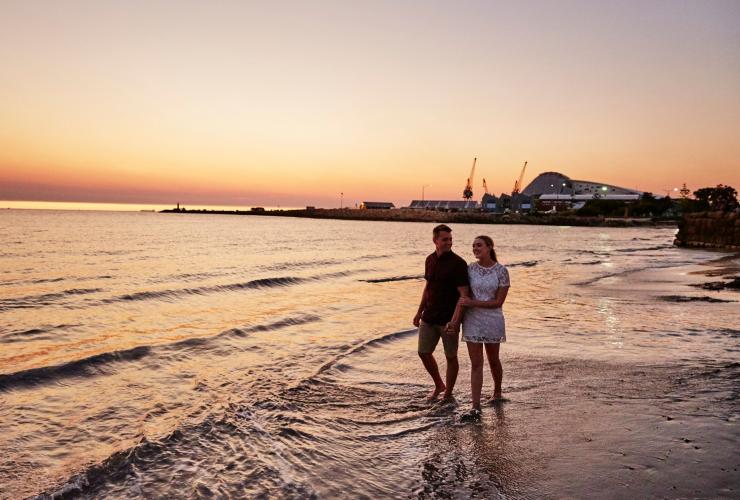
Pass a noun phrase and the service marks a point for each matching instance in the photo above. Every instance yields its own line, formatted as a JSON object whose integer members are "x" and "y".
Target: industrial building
{"x": 444, "y": 205}
{"x": 548, "y": 191}
{"x": 377, "y": 205}
{"x": 557, "y": 191}
{"x": 549, "y": 183}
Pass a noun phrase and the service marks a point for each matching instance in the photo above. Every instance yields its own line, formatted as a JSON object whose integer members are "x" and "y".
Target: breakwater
{"x": 709, "y": 230}
{"x": 408, "y": 215}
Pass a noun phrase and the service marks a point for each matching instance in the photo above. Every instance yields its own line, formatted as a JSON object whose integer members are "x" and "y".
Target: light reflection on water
{"x": 238, "y": 355}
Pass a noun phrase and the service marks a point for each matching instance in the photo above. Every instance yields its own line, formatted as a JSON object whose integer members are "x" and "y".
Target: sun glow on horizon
{"x": 214, "y": 105}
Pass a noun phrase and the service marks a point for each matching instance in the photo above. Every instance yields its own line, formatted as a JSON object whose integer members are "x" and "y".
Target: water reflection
{"x": 204, "y": 385}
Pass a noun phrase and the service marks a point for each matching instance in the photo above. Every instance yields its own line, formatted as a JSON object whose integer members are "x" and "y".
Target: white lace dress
{"x": 483, "y": 324}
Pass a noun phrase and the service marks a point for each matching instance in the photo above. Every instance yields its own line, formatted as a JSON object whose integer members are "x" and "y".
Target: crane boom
{"x": 485, "y": 187}
{"x": 468, "y": 191}
{"x": 518, "y": 182}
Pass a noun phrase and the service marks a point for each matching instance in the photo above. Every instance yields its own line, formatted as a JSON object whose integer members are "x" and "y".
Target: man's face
{"x": 443, "y": 242}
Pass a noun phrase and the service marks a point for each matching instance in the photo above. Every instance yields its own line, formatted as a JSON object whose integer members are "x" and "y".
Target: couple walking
{"x": 447, "y": 302}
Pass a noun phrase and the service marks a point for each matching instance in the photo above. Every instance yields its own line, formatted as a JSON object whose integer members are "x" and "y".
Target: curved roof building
{"x": 555, "y": 183}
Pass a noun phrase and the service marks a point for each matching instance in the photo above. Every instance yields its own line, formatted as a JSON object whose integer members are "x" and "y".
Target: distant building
{"x": 444, "y": 205}
{"x": 550, "y": 183}
{"x": 557, "y": 202}
{"x": 489, "y": 203}
{"x": 521, "y": 202}
{"x": 559, "y": 192}
{"x": 375, "y": 205}
{"x": 504, "y": 203}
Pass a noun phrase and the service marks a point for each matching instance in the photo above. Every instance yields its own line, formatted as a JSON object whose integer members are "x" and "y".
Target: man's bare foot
{"x": 436, "y": 392}
{"x": 448, "y": 398}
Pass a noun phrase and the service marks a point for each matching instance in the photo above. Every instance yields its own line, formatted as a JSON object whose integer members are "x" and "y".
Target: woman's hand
{"x": 452, "y": 328}
{"x": 465, "y": 302}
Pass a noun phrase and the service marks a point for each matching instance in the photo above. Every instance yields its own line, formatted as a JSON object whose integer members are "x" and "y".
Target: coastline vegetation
{"x": 715, "y": 199}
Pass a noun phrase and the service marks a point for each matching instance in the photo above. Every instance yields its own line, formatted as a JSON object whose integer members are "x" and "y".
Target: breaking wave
{"x": 393, "y": 278}
{"x": 100, "y": 363}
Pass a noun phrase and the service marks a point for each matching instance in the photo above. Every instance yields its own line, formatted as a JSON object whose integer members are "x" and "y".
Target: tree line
{"x": 720, "y": 198}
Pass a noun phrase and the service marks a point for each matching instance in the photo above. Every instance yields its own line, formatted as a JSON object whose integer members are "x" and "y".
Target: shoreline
{"x": 646, "y": 427}
{"x": 409, "y": 215}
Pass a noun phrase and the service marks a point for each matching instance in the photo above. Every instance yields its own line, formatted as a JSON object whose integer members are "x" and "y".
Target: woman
{"x": 483, "y": 323}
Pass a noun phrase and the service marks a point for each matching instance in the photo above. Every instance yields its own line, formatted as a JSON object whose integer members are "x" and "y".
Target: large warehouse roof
{"x": 557, "y": 183}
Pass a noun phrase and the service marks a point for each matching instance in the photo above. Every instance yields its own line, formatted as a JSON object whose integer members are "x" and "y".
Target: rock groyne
{"x": 408, "y": 215}
{"x": 709, "y": 230}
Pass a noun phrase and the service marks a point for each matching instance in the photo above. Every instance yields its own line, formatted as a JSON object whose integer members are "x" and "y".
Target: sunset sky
{"x": 291, "y": 103}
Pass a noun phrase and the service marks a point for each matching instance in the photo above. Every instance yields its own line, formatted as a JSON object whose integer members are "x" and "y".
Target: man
{"x": 446, "y": 276}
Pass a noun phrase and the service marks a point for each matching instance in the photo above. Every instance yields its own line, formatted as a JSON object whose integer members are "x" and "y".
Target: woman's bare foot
{"x": 472, "y": 416}
{"x": 497, "y": 398}
{"x": 436, "y": 392}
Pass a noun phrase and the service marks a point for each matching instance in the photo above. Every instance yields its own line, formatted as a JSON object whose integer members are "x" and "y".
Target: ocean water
{"x": 161, "y": 355}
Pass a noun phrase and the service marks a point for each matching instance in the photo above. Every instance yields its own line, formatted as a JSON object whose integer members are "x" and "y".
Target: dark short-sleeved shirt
{"x": 444, "y": 274}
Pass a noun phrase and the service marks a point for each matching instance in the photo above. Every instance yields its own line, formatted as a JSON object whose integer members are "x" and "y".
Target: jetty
{"x": 440, "y": 217}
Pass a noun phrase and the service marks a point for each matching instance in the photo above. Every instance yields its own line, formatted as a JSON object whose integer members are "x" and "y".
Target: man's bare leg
{"x": 427, "y": 358}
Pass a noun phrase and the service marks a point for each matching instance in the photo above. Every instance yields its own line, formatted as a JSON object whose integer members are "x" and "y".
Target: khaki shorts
{"x": 429, "y": 336}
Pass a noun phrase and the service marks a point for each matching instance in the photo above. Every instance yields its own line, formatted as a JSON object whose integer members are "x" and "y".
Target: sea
{"x": 187, "y": 356}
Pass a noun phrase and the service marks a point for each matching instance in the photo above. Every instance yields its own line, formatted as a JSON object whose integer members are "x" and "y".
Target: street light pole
{"x": 341, "y": 200}
{"x": 422, "y": 190}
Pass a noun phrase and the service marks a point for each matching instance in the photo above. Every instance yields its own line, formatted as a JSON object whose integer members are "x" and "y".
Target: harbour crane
{"x": 485, "y": 187}
{"x": 468, "y": 191}
{"x": 518, "y": 182}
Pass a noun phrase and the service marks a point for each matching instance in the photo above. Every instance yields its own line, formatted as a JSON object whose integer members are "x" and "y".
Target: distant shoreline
{"x": 408, "y": 215}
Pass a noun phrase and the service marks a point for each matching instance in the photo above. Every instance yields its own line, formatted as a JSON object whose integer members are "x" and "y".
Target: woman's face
{"x": 480, "y": 249}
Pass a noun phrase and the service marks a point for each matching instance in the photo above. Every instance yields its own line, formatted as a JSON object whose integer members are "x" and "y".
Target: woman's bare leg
{"x": 476, "y": 372}
{"x": 492, "y": 351}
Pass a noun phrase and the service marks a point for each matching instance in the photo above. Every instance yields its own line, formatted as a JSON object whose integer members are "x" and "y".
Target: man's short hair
{"x": 441, "y": 228}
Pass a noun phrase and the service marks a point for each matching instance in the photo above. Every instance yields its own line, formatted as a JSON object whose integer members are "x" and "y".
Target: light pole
{"x": 341, "y": 200}
{"x": 424, "y": 186}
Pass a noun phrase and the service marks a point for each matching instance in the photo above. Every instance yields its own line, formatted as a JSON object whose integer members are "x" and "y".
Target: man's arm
{"x": 422, "y": 305}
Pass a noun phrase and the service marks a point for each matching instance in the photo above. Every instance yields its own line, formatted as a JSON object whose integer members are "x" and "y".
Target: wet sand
{"x": 571, "y": 428}
{"x": 580, "y": 429}
{"x": 584, "y": 429}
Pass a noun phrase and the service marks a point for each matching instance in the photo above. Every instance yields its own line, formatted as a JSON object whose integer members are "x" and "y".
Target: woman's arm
{"x": 454, "y": 325}
{"x": 497, "y": 301}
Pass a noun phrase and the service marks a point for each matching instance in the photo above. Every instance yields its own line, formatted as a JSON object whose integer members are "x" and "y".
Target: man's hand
{"x": 452, "y": 328}
{"x": 417, "y": 319}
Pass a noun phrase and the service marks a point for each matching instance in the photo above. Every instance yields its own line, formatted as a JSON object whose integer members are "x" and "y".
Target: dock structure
{"x": 444, "y": 205}
{"x": 376, "y": 205}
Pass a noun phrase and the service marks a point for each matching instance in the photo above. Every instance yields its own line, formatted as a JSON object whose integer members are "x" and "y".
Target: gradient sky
{"x": 291, "y": 103}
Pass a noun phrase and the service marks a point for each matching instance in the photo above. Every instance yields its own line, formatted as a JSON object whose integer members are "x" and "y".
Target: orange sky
{"x": 290, "y": 104}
